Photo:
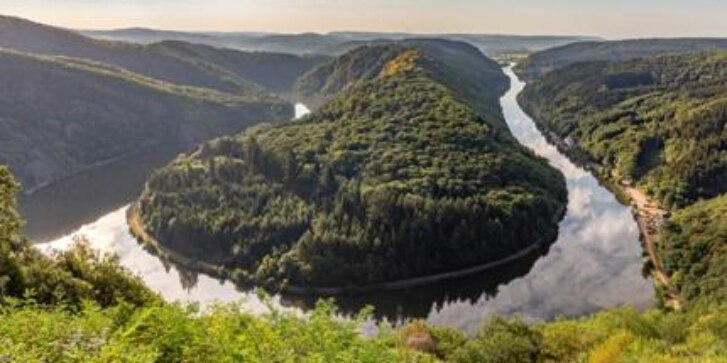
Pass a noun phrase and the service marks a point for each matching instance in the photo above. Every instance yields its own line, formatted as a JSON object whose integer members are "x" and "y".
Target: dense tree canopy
{"x": 395, "y": 177}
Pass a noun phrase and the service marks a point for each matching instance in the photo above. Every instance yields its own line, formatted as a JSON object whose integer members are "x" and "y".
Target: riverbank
{"x": 651, "y": 217}
{"x": 176, "y": 149}
{"x": 138, "y": 230}
{"x": 647, "y": 213}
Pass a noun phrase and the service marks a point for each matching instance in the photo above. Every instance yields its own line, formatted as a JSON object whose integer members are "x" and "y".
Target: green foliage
{"x": 499, "y": 340}
{"x": 69, "y": 278}
{"x": 225, "y": 333}
{"x": 693, "y": 250}
{"x": 618, "y": 335}
{"x": 397, "y": 168}
{"x": 171, "y": 334}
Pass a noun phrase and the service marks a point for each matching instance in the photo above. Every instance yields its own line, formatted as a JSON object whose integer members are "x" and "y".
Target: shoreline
{"x": 138, "y": 231}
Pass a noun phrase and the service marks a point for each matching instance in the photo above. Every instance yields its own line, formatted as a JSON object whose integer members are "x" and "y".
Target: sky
{"x": 610, "y": 19}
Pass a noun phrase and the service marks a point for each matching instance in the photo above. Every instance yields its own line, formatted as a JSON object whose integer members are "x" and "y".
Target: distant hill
{"x": 335, "y": 43}
{"x": 545, "y": 61}
{"x": 274, "y": 71}
{"x": 148, "y": 36}
{"x": 182, "y": 63}
{"x": 62, "y": 114}
{"x": 406, "y": 171}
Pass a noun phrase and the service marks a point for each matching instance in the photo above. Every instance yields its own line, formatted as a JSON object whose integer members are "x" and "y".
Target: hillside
{"x": 63, "y": 115}
{"x": 400, "y": 167}
{"x": 661, "y": 124}
{"x": 462, "y": 68}
{"x": 545, "y": 61}
{"x": 176, "y": 62}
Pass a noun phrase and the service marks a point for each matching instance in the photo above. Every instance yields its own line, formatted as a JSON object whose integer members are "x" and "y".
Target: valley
{"x": 361, "y": 196}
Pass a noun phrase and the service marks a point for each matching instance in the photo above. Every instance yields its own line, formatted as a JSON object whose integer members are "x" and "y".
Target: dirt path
{"x": 650, "y": 218}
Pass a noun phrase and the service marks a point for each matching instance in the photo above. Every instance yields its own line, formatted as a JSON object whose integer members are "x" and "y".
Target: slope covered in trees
{"x": 397, "y": 177}
{"x": 188, "y": 64}
{"x": 542, "y": 62}
{"x": 661, "y": 123}
{"x": 62, "y": 115}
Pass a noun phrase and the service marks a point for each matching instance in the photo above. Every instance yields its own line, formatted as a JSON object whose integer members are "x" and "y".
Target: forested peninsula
{"x": 407, "y": 170}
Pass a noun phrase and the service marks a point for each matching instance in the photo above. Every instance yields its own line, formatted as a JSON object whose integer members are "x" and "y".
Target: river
{"x": 594, "y": 264}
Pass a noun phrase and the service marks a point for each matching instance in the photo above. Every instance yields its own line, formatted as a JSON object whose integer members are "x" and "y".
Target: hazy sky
{"x": 612, "y": 19}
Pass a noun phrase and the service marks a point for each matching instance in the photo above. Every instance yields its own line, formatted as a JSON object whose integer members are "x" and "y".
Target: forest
{"x": 396, "y": 167}
{"x": 661, "y": 124}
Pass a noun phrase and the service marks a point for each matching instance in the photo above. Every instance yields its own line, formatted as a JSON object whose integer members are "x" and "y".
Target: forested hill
{"x": 395, "y": 177}
{"x": 459, "y": 66}
{"x": 60, "y": 115}
{"x": 177, "y": 62}
{"x": 661, "y": 123}
{"x": 547, "y": 60}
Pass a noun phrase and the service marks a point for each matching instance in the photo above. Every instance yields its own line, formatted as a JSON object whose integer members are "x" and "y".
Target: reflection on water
{"x": 110, "y": 234}
{"x": 594, "y": 264}
{"x": 64, "y": 206}
{"x": 301, "y": 110}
